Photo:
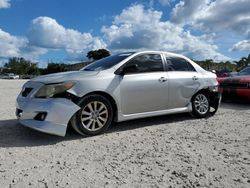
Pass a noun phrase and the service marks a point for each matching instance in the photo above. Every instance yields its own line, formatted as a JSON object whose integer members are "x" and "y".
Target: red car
{"x": 237, "y": 85}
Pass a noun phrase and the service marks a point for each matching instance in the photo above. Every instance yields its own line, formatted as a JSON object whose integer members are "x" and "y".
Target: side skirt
{"x": 122, "y": 117}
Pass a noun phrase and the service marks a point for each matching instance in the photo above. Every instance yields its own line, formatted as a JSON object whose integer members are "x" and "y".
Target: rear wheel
{"x": 200, "y": 105}
{"x": 94, "y": 117}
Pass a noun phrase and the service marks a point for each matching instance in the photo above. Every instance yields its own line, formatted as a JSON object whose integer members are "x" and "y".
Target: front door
{"x": 145, "y": 90}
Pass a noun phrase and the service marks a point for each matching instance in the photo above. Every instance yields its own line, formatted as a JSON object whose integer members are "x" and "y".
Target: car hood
{"x": 235, "y": 79}
{"x": 64, "y": 76}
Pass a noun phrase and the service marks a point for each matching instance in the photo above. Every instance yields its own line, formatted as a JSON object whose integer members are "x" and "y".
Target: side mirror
{"x": 213, "y": 71}
{"x": 127, "y": 69}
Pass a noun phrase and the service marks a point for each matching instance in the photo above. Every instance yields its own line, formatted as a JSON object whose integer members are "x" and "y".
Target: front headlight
{"x": 50, "y": 90}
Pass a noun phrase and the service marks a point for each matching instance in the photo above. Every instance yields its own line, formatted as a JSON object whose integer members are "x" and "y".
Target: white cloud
{"x": 213, "y": 15}
{"x": 14, "y": 46}
{"x": 137, "y": 29}
{"x": 227, "y": 14}
{"x": 165, "y": 2}
{"x": 45, "y": 32}
{"x": 187, "y": 11}
{"x": 248, "y": 34}
{"x": 162, "y": 2}
{"x": 11, "y": 45}
{"x": 221, "y": 16}
{"x": 4, "y": 3}
{"x": 243, "y": 45}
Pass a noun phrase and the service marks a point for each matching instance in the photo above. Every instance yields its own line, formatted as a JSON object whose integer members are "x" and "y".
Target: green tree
{"x": 218, "y": 66}
{"x": 54, "y": 68}
{"x": 98, "y": 54}
{"x": 21, "y": 66}
{"x": 208, "y": 64}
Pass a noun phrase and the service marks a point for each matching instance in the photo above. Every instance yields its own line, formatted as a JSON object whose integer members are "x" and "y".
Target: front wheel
{"x": 94, "y": 117}
{"x": 200, "y": 105}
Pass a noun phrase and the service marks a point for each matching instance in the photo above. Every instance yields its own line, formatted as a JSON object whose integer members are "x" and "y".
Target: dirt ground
{"x": 165, "y": 151}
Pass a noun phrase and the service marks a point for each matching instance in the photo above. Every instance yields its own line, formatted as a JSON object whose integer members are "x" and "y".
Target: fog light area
{"x": 40, "y": 116}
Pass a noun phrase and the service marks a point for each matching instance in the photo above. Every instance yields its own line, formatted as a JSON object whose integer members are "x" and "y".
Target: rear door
{"x": 184, "y": 81}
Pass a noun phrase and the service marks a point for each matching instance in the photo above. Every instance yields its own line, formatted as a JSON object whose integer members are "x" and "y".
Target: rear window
{"x": 179, "y": 64}
{"x": 245, "y": 71}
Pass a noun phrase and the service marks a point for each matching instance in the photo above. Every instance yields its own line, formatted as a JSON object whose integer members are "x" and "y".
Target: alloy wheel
{"x": 201, "y": 104}
{"x": 94, "y": 115}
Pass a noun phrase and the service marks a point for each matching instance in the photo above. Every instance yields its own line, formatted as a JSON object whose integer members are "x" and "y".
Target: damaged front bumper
{"x": 50, "y": 115}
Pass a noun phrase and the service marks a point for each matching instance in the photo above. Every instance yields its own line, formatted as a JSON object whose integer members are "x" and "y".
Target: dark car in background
{"x": 236, "y": 85}
{"x": 223, "y": 73}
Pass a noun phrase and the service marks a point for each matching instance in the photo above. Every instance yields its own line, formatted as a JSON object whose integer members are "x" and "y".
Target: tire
{"x": 94, "y": 117}
{"x": 200, "y": 105}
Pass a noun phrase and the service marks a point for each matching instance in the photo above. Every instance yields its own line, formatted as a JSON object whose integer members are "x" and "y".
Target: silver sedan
{"x": 117, "y": 88}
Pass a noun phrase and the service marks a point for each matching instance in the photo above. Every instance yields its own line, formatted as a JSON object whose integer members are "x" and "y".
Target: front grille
{"x": 26, "y": 91}
{"x": 234, "y": 85}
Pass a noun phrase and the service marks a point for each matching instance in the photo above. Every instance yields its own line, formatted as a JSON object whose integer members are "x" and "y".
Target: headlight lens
{"x": 50, "y": 90}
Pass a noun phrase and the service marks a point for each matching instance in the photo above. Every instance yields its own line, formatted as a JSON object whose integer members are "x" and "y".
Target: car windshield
{"x": 245, "y": 71}
{"x": 106, "y": 62}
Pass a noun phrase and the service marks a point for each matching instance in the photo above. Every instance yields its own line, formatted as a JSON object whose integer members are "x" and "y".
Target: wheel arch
{"x": 203, "y": 90}
{"x": 206, "y": 90}
{"x": 109, "y": 97}
{"x": 213, "y": 97}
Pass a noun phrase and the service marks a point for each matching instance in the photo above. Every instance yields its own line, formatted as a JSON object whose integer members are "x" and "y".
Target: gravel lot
{"x": 166, "y": 151}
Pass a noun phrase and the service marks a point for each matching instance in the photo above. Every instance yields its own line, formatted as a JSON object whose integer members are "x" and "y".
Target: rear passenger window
{"x": 178, "y": 64}
{"x": 147, "y": 63}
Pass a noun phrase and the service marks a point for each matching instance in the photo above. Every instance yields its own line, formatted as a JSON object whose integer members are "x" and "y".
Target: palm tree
{"x": 243, "y": 62}
{"x": 248, "y": 60}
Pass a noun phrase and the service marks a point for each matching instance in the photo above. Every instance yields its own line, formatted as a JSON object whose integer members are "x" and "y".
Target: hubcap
{"x": 94, "y": 115}
{"x": 201, "y": 104}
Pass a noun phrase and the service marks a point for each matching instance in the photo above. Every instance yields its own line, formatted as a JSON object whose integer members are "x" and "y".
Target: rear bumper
{"x": 58, "y": 113}
{"x": 215, "y": 100}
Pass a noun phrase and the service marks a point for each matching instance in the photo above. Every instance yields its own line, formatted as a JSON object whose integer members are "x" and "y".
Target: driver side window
{"x": 147, "y": 63}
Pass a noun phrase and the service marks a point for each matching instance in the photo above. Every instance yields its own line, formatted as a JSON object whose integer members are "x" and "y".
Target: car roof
{"x": 150, "y": 51}
{"x": 162, "y": 52}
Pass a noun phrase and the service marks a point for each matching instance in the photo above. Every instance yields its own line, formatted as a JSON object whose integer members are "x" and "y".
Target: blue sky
{"x": 64, "y": 30}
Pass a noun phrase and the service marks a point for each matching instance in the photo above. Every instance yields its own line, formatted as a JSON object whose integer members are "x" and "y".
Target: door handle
{"x": 195, "y": 78}
{"x": 163, "y": 79}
